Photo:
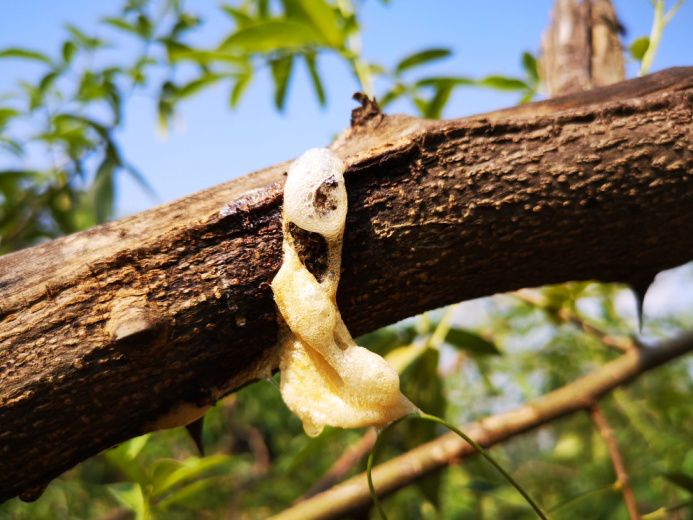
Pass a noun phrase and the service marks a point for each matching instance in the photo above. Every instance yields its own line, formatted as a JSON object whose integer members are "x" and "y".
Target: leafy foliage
{"x": 462, "y": 363}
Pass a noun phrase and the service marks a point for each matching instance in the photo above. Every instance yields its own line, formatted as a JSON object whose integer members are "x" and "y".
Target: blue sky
{"x": 211, "y": 144}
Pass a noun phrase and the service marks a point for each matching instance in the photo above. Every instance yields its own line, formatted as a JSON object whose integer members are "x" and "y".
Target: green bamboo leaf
{"x": 132, "y": 497}
{"x": 25, "y": 54}
{"x": 82, "y": 40}
{"x": 281, "y": 74}
{"x": 320, "y": 15}
{"x": 271, "y": 36}
{"x": 121, "y": 24}
{"x": 68, "y": 51}
{"x": 471, "y": 342}
{"x": 421, "y": 57}
{"x": 195, "y": 86}
{"x": 639, "y": 47}
{"x": 434, "y": 108}
{"x": 168, "y": 473}
{"x": 239, "y": 16}
{"x": 240, "y": 87}
{"x": 503, "y": 83}
{"x": 311, "y": 62}
{"x": 529, "y": 64}
{"x": 440, "y": 81}
{"x": 391, "y": 95}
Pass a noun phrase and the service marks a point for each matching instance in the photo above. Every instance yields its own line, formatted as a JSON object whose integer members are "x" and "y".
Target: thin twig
{"x": 622, "y": 343}
{"x": 623, "y": 482}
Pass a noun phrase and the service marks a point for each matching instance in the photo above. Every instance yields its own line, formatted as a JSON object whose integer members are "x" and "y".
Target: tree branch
{"x": 623, "y": 482}
{"x": 143, "y": 323}
{"x": 401, "y": 471}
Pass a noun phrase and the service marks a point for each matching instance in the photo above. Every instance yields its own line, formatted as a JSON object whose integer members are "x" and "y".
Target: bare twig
{"x": 401, "y": 471}
{"x": 622, "y": 343}
{"x": 623, "y": 482}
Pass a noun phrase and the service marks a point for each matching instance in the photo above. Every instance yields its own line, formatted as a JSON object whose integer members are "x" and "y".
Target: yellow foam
{"x": 326, "y": 378}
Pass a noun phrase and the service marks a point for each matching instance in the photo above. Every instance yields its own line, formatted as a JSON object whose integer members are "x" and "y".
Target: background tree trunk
{"x": 142, "y": 323}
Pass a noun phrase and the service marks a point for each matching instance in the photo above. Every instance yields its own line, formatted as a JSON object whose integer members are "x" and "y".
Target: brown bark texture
{"x": 141, "y": 323}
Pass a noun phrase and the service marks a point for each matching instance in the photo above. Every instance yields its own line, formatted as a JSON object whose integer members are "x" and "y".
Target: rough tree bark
{"x": 142, "y": 323}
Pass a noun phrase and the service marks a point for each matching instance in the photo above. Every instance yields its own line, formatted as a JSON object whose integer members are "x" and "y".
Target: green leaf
{"x": 239, "y": 88}
{"x": 82, "y": 40}
{"x": 441, "y": 81}
{"x": 281, "y": 73}
{"x": 47, "y": 80}
{"x": 121, "y": 24}
{"x": 503, "y": 83}
{"x": 471, "y": 342}
{"x": 193, "y": 87}
{"x": 434, "y": 108}
{"x": 391, "y": 95}
{"x": 681, "y": 480}
{"x": 6, "y": 114}
{"x": 529, "y": 64}
{"x": 69, "y": 50}
{"x": 168, "y": 473}
{"x": 25, "y": 54}
{"x": 144, "y": 27}
{"x": 131, "y": 496}
{"x": 320, "y": 15}
{"x": 239, "y": 16}
{"x": 315, "y": 78}
{"x": 422, "y": 57}
{"x": 639, "y": 47}
{"x": 271, "y": 36}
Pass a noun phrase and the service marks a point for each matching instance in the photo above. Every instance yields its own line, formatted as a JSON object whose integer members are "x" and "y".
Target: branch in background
{"x": 623, "y": 482}
{"x": 621, "y": 343}
{"x": 401, "y": 471}
{"x": 581, "y": 48}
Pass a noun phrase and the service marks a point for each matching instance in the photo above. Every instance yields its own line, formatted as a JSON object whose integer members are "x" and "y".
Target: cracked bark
{"x": 142, "y": 323}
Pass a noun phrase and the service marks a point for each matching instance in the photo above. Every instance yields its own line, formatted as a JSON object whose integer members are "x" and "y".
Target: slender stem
{"x": 468, "y": 439}
{"x": 623, "y": 482}
{"x": 659, "y": 22}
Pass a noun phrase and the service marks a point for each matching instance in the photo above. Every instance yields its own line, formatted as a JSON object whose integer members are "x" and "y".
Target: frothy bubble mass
{"x": 326, "y": 378}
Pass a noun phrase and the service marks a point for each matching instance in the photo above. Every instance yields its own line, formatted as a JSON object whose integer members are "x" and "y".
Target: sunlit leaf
{"x": 639, "y": 47}
{"x": 82, "y": 40}
{"x": 441, "y": 81}
{"x": 168, "y": 473}
{"x": 503, "y": 83}
{"x": 529, "y": 64}
{"x": 241, "y": 18}
{"x": 315, "y": 78}
{"x": 421, "y": 57}
{"x": 434, "y": 108}
{"x": 25, "y": 54}
{"x": 281, "y": 74}
{"x": 272, "y": 35}
{"x": 69, "y": 49}
{"x": 471, "y": 342}
{"x": 131, "y": 496}
{"x": 121, "y": 24}
{"x": 195, "y": 86}
{"x": 240, "y": 87}
{"x": 320, "y": 15}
